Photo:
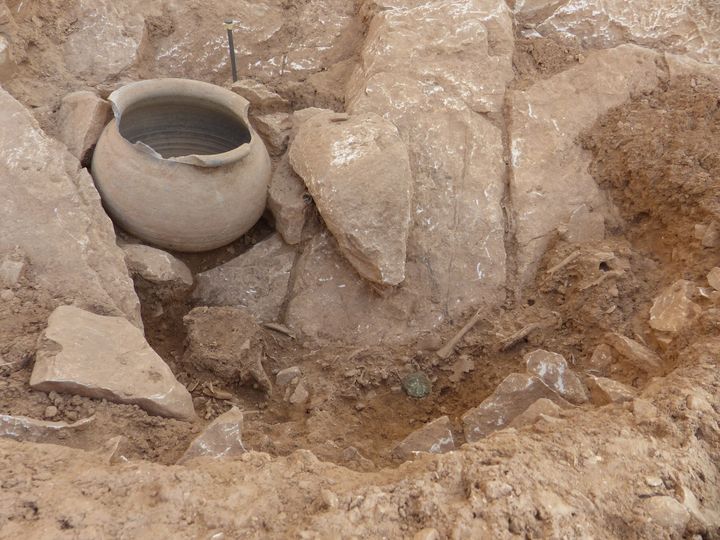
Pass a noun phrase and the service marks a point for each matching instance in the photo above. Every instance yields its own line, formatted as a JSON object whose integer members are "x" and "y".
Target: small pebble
{"x": 51, "y": 411}
{"x": 653, "y": 481}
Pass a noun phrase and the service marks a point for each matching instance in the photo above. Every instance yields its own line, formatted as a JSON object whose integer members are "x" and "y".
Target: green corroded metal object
{"x": 417, "y": 385}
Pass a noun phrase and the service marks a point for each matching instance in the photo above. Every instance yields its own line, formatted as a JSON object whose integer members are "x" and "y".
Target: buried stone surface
{"x": 434, "y": 437}
{"x": 553, "y": 370}
{"x": 635, "y": 353}
{"x": 82, "y": 118}
{"x": 604, "y": 391}
{"x": 157, "y": 266}
{"x": 357, "y": 171}
{"x": 234, "y": 355}
{"x": 513, "y": 396}
{"x": 673, "y": 309}
{"x": 256, "y": 281}
{"x": 220, "y": 440}
{"x": 288, "y": 201}
{"x": 106, "y": 357}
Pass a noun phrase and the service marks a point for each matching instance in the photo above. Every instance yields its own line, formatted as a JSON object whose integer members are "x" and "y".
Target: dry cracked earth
{"x": 483, "y": 300}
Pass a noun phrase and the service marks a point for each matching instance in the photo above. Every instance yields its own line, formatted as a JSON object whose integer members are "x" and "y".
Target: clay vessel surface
{"x": 180, "y": 166}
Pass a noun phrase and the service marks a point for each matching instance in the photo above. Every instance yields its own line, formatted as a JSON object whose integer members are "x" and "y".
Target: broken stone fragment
{"x": 222, "y": 438}
{"x": 234, "y": 356}
{"x": 673, "y": 309}
{"x": 300, "y": 395}
{"x": 358, "y": 173}
{"x": 604, "y": 391}
{"x": 637, "y": 354}
{"x": 287, "y": 375}
{"x": 11, "y": 269}
{"x": 261, "y": 98}
{"x": 23, "y": 428}
{"x": 157, "y": 266}
{"x": 542, "y": 408}
{"x": 601, "y": 359}
{"x": 434, "y": 437}
{"x": 711, "y": 236}
{"x": 82, "y": 118}
{"x": 106, "y": 357}
{"x": 511, "y": 398}
{"x": 667, "y": 513}
{"x": 256, "y": 281}
{"x": 275, "y": 130}
{"x": 6, "y": 63}
{"x": 288, "y": 201}
{"x": 553, "y": 370}
{"x": 713, "y": 278}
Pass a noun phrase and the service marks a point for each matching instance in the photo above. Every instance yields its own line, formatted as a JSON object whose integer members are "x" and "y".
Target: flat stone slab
{"x": 636, "y": 353}
{"x": 512, "y": 397}
{"x": 553, "y": 370}
{"x": 106, "y": 357}
{"x": 256, "y": 281}
{"x": 222, "y": 439}
{"x": 434, "y": 437}
{"x": 23, "y": 428}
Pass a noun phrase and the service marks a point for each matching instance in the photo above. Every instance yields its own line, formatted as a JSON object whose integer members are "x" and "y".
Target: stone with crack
{"x": 512, "y": 397}
{"x": 256, "y": 281}
{"x": 228, "y": 343}
{"x": 358, "y": 173}
{"x": 221, "y": 439}
{"x": 106, "y": 357}
{"x": 553, "y": 370}
{"x": 434, "y": 437}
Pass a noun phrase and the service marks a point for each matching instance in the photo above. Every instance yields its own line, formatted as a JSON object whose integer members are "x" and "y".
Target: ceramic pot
{"x": 180, "y": 166}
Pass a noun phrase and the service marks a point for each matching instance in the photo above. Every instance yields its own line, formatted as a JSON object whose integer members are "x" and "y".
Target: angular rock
{"x": 287, "y": 375}
{"x": 688, "y": 27}
{"x": 261, "y": 98}
{"x": 604, "y": 391}
{"x": 300, "y": 395}
{"x": 357, "y": 171}
{"x": 713, "y": 278}
{"x": 637, "y": 354}
{"x": 550, "y": 180}
{"x": 553, "y": 370}
{"x": 275, "y": 129}
{"x": 106, "y": 357}
{"x": 434, "y": 437}
{"x": 706, "y": 517}
{"x": 82, "y": 118}
{"x": 55, "y": 219}
{"x": 11, "y": 269}
{"x": 542, "y": 408}
{"x": 510, "y": 399}
{"x": 673, "y": 310}
{"x": 222, "y": 439}
{"x": 234, "y": 356}
{"x": 157, "y": 266}
{"x": 256, "y": 281}
{"x": 23, "y": 428}
{"x": 288, "y": 201}
{"x": 711, "y": 236}
{"x": 602, "y": 358}
{"x": 6, "y": 63}
{"x": 106, "y": 40}
{"x": 667, "y": 513}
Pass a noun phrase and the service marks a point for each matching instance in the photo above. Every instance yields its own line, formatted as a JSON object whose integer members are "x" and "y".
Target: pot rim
{"x": 138, "y": 91}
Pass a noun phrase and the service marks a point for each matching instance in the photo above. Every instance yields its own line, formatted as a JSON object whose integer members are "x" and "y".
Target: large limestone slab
{"x": 512, "y": 397}
{"x": 106, "y": 357}
{"x": 256, "y": 281}
{"x": 51, "y": 212}
{"x": 358, "y": 172}
{"x": 689, "y": 27}
{"x": 550, "y": 180}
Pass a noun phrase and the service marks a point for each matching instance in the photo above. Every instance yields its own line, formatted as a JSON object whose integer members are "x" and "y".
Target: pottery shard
{"x": 550, "y": 180}
{"x": 55, "y": 218}
{"x": 511, "y": 398}
{"x": 713, "y": 278}
{"x": 604, "y": 391}
{"x": 553, "y": 370}
{"x": 673, "y": 310}
{"x": 434, "y": 437}
{"x": 288, "y": 201}
{"x": 357, "y": 171}
{"x": 106, "y": 357}
{"x": 256, "y": 281}
{"x": 82, "y": 118}
{"x": 636, "y": 353}
{"x": 235, "y": 356}
{"x": 157, "y": 266}
{"x": 222, "y": 439}
{"x": 687, "y": 26}
{"x": 106, "y": 39}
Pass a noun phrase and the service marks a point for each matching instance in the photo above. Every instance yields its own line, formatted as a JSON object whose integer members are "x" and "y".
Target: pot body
{"x": 189, "y": 201}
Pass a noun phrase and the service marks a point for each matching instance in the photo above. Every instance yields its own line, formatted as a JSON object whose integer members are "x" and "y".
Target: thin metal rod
{"x": 231, "y": 46}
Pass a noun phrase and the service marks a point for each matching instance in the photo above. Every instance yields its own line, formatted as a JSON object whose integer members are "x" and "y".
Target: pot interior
{"x": 182, "y": 126}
